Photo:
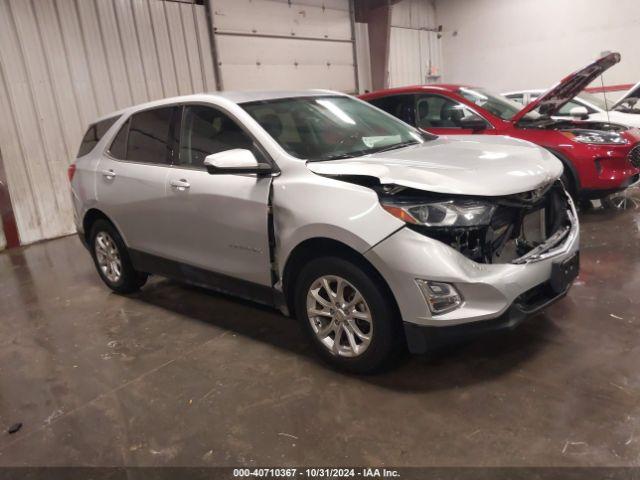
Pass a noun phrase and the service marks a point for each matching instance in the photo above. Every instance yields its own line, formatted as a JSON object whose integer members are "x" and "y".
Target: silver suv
{"x": 373, "y": 234}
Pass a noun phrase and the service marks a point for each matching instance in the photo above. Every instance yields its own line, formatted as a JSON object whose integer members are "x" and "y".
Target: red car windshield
{"x": 494, "y": 104}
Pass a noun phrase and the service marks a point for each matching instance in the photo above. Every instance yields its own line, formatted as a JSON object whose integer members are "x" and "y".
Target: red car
{"x": 600, "y": 158}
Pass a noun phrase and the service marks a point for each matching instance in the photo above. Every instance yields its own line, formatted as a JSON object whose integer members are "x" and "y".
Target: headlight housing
{"x": 595, "y": 137}
{"x": 446, "y": 213}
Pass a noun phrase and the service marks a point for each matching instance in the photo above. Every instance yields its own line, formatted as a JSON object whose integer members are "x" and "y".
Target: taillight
{"x": 71, "y": 171}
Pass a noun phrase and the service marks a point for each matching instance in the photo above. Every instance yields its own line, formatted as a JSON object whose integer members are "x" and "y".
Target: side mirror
{"x": 579, "y": 112}
{"x": 238, "y": 160}
{"x": 473, "y": 123}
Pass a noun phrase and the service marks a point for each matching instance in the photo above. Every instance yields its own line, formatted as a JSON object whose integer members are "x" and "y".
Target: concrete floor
{"x": 180, "y": 376}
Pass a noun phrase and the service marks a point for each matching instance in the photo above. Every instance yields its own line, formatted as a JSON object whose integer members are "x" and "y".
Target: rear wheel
{"x": 347, "y": 314}
{"x": 111, "y": 259}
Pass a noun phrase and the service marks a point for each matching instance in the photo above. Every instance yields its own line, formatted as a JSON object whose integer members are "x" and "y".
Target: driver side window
{"x": 206, "y": 130}
{"x": 434, "y": 111}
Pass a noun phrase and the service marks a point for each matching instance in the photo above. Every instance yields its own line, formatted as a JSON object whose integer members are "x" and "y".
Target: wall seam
{"x": 52, "y": 80}
{"x": 89, "y": 69}
{"x": 173, "y": 56}
{"x": 124, "y": 57}
{"x": 186, "y": 47}
{"x": 155, "y": 48}
{"x": 200, "y": 54}
{"x": 35, "y": 110}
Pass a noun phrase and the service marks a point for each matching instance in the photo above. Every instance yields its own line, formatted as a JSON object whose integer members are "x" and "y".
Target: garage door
{"x": 285, "y": 44}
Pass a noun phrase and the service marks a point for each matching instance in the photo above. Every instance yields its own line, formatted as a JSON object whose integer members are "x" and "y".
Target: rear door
{"x": 132, "y": 177}
{"x": 218, "y": 222}
{"x": 444, "y": 116}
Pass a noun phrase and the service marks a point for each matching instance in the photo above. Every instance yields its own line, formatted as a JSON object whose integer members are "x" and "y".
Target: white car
{"x": 588, "y": 106}
{"x": 317, "y": 203}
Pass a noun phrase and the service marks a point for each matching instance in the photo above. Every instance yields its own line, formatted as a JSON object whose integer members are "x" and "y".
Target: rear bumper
{"x": 422, "y": 339}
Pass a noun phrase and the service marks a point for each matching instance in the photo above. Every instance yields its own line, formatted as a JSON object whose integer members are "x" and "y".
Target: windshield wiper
{"x": 395, "y": 146}
{"x": 360, "y": 153}
{"x": 341, "y": 156}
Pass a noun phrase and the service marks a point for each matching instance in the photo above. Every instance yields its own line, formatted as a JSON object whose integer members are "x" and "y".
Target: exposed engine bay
{"x": 520, "y": 226}
{"x": 547, "y": 123}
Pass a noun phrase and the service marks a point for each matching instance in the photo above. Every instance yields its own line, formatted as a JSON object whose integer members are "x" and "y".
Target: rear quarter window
{"x": 94, "y": 134}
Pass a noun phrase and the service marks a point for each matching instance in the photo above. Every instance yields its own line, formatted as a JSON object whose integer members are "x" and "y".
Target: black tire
{"x": 569, "y": 183}
{"x": 129, "y": 280}
{"x": 385, "y": 333}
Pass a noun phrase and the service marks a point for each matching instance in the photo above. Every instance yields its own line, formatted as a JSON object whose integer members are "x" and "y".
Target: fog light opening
{"x": 441, "y": 297}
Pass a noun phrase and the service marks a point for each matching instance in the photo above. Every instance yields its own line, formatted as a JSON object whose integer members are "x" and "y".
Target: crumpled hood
{"x": 551, "y": 101}
{"x": 464, "y": 164}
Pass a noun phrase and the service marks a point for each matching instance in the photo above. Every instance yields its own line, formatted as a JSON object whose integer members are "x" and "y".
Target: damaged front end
{"x": 518, "y": 229}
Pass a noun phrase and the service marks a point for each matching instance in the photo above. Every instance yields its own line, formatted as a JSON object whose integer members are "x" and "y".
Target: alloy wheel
{"x": 340, "y": 316}
{"x": 108, "y": 257}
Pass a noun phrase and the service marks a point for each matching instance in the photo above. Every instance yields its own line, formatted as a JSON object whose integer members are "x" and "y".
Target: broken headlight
{"x": 449, "y": 213}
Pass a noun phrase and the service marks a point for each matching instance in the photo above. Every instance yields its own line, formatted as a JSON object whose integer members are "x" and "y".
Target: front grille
{"x": 634, "y": 156}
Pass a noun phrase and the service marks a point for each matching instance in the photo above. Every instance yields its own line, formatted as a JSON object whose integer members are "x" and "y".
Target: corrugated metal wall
{"x": 285, "y": 44}
{"x": 414, "y": 51}
{"x": 65, "y": 62}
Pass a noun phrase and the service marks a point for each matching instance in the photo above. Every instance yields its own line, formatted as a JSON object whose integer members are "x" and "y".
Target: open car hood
{"x": 488, "y": 166}
{"x": 632, "y": 92}
{"x": 557, "y": 96}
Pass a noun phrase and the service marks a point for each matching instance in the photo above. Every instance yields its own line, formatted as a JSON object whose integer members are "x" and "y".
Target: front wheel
{"x": 628, "y": 199}
{"x": 347, "y": 314}
{"x": 111, "y": 259}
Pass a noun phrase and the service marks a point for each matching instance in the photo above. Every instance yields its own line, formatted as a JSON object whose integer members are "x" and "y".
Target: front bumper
{"x": 423, "y": 339}
{"x": 491, "y": 292}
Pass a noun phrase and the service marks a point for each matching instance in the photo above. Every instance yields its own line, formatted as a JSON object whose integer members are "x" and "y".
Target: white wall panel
{"x": 65, "y": 62}
{"x": 415, "y": 55}
{"x": 404, "y": 57}
{"x": 415, "y": 14}
{"x": 523, "y": 44}
{"x": 150, "y": 62}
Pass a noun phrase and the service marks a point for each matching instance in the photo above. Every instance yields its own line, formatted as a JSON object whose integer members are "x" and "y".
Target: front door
{"x": 219, "y": 222}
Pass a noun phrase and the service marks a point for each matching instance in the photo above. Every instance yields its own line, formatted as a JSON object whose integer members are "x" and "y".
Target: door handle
{"x": 180, "y": 185}
{"x": 108, "y": 174}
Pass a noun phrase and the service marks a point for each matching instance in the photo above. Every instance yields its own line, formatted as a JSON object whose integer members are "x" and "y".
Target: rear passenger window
{"x": 150, "y": 136}
{"x": 400, "y": 106}
{"x": 94, "y": 134}
{"x": 206, "y": 130}
{"x": 118, "y": 147}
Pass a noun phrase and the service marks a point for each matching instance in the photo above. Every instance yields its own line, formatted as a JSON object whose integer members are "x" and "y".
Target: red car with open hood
{"x": 599, "y": 157}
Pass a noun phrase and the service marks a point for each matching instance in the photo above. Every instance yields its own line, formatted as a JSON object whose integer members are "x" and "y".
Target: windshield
{"x": 331, "y": 127}
{"x": 595, "y": 100}
{"x": 495, "y": 104}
